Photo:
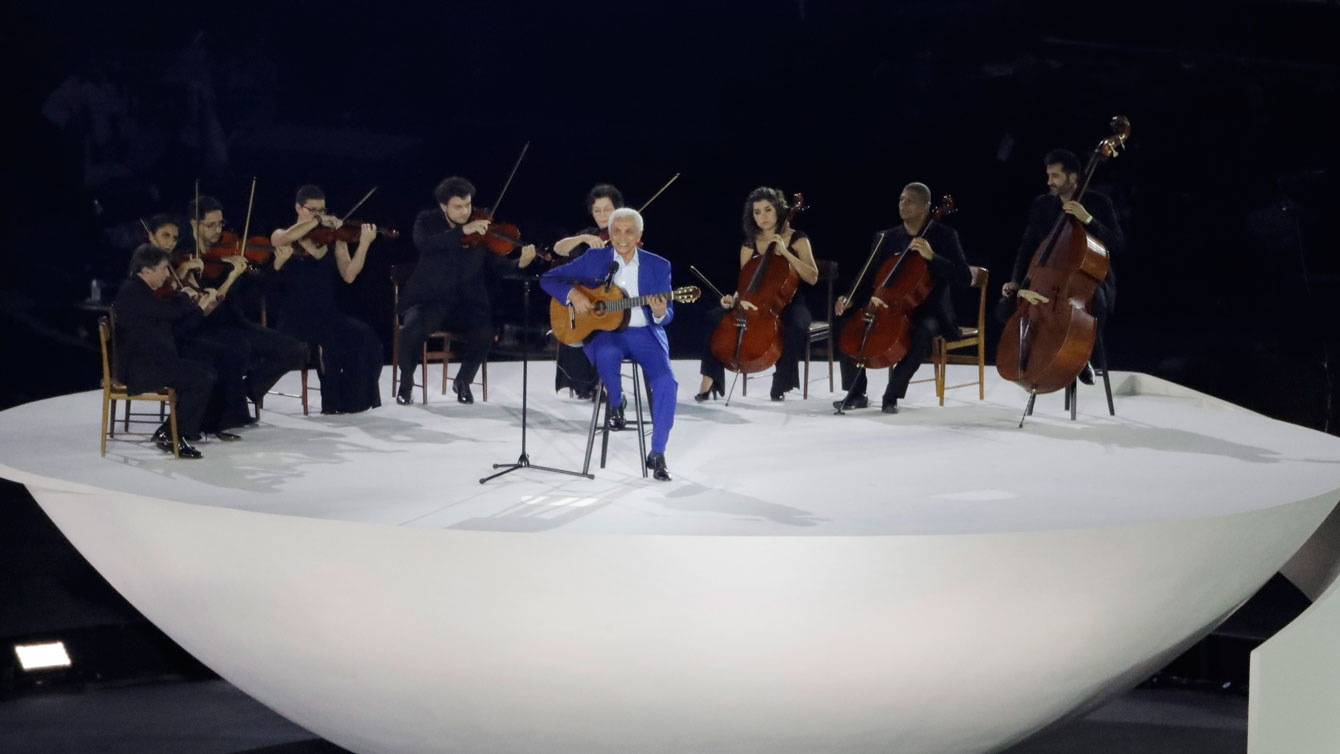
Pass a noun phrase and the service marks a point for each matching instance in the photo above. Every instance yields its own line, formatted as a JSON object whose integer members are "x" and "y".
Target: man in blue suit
{"x": 639, "y": 273}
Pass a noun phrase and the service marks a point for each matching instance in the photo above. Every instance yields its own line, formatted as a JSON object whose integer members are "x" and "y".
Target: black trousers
{"x": 924, "y": 330}
{"x": 796, "y": 319}
{"x": 227, "y": 406}
{"x": 472, "y": 323}
{"x": 574, "y": 370}
{"x": 192, "y": 380}
{"x": 270, "y": 353}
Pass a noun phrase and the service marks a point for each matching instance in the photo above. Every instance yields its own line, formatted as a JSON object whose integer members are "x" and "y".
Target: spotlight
{"x": 41, "y": 656}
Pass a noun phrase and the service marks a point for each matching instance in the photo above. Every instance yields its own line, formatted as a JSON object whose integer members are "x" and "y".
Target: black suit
{"x": 1042, "y": 214}
{"x": 448, "y": 288}
{"x": 935, "y": 315}
{"x": 146, "y": 352}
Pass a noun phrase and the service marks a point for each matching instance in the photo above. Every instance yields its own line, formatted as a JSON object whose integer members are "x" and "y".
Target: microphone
{"x": 609, "y": 276}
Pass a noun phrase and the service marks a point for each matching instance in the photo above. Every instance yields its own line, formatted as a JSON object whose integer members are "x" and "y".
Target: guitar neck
{"x": 628, "y": 303}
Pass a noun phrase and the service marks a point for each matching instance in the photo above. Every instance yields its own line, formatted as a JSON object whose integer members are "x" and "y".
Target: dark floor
{"x": 213, "y": 717}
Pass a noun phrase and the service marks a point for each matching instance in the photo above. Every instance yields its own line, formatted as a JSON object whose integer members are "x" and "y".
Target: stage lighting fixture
{"x": 42, "y": 656}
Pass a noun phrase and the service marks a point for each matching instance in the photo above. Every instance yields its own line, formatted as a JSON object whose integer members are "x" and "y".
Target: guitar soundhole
{"x": 599, "y": 307}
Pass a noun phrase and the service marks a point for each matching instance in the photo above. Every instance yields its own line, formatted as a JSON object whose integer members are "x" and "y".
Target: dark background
{"x": 1227, "y": 194}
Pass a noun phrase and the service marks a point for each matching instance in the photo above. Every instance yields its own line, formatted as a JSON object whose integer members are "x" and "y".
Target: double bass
{"x": 880, "y": 336}
{"x": 1045, "y": 345}
{"x": 749, "y": 339}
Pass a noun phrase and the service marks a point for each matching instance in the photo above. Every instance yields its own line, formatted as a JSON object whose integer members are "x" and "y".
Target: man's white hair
{"x": 626, "y": 212}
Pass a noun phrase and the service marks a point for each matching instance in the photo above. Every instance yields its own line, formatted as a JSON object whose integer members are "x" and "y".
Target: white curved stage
{"x": 934, "y": 581}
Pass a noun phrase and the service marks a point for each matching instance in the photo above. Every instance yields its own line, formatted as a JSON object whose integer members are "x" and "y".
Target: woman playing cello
{"x": 765, "y": 213}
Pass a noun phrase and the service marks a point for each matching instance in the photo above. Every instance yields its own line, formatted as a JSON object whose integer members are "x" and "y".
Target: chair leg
{"x": 395, "y": 354}
{"x": 172, "y": 422}
{"x": 805, "y": 383}
{"x": 641, "y": 435}
{"x": 102, "y": 428}
{"x": 109, "y": 425}
{"x": 744, "y": 384}
{"x": 126, "y": 413}
{"x": 591, "y": 432}
{"x": 444, "y": 369}
{"x": 484, "y": 387}
{"x": 1102, "y": 362}
{"x": 829, "y": 349}
{"x": 304, "y": 391}
{"x": 981, "y": 368}
{"x": 941, "y": 356}
{"x": 423, "y": 371}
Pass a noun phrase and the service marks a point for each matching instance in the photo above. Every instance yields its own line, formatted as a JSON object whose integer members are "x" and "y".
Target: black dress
{"x": 350, "y": 356}
{"x": 796, "y": 319}
{"x": 574, "y": 369}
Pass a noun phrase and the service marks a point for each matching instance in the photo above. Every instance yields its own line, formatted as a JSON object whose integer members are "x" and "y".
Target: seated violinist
{"x": 633, "y": 270}
{"x": 227, "y": 407}
{"x": 765, "y": 223}
{"x": 350, "y": 353}
{"x": 270, "y": 353}
{"x": 939, "y": 246}
{"x": 448, "y": 287}
{"x": 574, "y": 371}
{"x": 147, "y": 357}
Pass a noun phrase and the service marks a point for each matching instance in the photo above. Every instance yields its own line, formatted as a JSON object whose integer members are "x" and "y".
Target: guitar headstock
{"x": 686, "y": 295}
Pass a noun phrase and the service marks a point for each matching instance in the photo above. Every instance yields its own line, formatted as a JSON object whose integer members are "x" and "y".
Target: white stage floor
{"x": 933, "y": 581}
{"x": 753, "y": 468}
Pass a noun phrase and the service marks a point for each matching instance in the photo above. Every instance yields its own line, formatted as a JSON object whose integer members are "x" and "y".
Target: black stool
{"x": 602, "y": 398}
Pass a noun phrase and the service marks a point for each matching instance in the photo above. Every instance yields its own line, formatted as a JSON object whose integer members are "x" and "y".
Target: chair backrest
{"x": 104, "y": 336}
{"x": 828, "y": 272}
{"x": 980, "y": 279}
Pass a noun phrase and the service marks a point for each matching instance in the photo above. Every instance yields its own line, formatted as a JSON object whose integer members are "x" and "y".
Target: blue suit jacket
{"x": 653, "y": 276}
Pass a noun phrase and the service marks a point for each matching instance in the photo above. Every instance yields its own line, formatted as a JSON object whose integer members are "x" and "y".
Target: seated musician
{"x": 935, "y": 316}
{"x": 270, "y": 353}
{"x": 1063, "y": 171}
{"x": 632, "y": 270}
{"x": 146, "y": 352}
{"x": 574, "y": 371}
{"x": 449, "y": 288}
{"x": 765, "y": 221}
{"x": 227, "y": 407}
{"x": 351, "y": 355}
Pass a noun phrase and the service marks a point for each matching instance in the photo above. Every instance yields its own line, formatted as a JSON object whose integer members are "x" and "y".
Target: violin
{"x": 500, "y": 238}
{"x": 258, "y": 252}
{"x": 880, "y": 336}
{"x": 1045, "y": 346}
{"x": 749, "y": 340}
{"x": 349, "y": 232}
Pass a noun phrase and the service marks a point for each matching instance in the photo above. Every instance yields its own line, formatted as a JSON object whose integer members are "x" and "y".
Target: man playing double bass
{"x": 637, "y": 272}
{"x": 1099, "y": 219}
{"x": 940, "y": 247}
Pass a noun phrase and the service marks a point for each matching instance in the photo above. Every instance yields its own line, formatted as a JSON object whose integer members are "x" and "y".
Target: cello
{"x": 1045, "y": 345}
{"x": 880, "y": 336}
{"x": 749, "y": 339}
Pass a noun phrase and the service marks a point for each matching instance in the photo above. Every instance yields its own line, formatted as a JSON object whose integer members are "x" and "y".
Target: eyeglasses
{"x": 212, "y": 226}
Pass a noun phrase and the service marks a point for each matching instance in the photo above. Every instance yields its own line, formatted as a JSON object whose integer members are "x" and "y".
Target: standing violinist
{"x": 1099, "y": 219}
{"x": 448, "y": 286}
{"x": 574, "y": 370}
{"x": 227, "y": 406}
{"x": 270, "y": 354}
{"x": 637, "y": 272}
{"x": 766, "y": 226}
{"x": 940, "y": 247}
{"x": 350, "y": 360}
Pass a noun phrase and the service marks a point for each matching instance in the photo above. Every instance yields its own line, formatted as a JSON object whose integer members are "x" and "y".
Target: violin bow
{"x": 865, "y": 268}
{"x": 510, "y": 176}
{"x": 707, "y": 282}
{"x": 658, "y": 193}
{"x": 357, "y": 205}
{"x": 246, "y": 226}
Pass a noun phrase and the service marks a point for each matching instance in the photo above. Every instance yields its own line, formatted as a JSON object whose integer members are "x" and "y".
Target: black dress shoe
{"x": 656, "y": 462}
{"x": 1086, "y": 376}
{"x": 614, "y": 417}
{"x": 585, "y": 395}
{"x": 462, "y": 391}
{"x": 405, "y": 399}
{"x": 847, "y": 404}
{"x": 778, "y": 396}
{"x": 713, "y": 390}
{"x": 889, "y": 406}
{"x": 184, "y": 449}
{"x": 227, "y": 436}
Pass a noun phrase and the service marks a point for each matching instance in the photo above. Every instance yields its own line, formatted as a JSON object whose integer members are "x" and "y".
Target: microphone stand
{"x": 523, "y": 461}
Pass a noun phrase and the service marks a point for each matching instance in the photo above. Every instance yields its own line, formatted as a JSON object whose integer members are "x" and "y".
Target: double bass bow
{"x": 880, "y": 336}
{"x": 1050, "y": 336}
{"x": 749, "y": 338}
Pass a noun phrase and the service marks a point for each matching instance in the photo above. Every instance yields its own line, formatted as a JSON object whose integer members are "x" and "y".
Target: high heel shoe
{"x": 714, "y": 390}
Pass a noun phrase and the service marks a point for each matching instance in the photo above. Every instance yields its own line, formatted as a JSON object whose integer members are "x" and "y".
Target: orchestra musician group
{"x": 180, "y": 325}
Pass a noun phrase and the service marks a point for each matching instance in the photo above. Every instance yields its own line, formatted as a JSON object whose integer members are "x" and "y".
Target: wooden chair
{"x": 399, "y": 274}
{"x": 113, "y": 391}
{"x": 312, "y": 363}
{"x": 820, "y": 330}
{"x": 969, "y": 337}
